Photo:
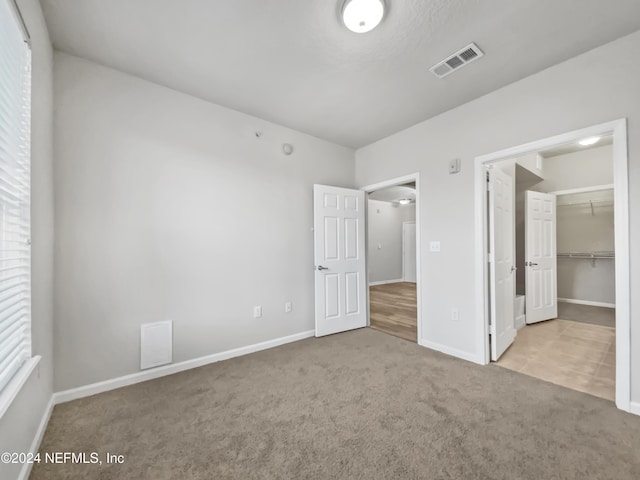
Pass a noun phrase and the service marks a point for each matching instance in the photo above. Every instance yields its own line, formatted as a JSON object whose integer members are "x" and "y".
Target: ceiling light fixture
{"x": 404, "y": 201}
{"x": 585, "y": 142}
{"x": 361, "y": 16}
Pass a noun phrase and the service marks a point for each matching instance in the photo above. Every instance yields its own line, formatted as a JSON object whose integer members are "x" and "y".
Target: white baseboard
{"x": 587, "y": 302}
{"x": 138, "y": 377}
{"x": 634, "y": 407}
{"x": 37, "y": 439}
{"x": 384, "y": 282}
{"x": 452, "y": 351}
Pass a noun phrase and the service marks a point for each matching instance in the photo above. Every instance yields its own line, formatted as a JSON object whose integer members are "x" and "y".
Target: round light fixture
{"x": 361, "y": 16}
{"x": 404, "y": 201}
{"x": 585, "y": 142}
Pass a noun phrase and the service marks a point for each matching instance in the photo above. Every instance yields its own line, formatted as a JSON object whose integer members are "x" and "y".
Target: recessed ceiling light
{"x": 361, "y": 16}
{"x": 585, "y": 142}
{"x": 404, "y": 201}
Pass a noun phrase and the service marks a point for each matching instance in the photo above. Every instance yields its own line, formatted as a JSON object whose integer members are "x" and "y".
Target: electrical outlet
{"x": 288, "y": 307}
{"x": 455, "y": 316}
{"x": 257, "y": 311}
{"x": 434, "y": 246}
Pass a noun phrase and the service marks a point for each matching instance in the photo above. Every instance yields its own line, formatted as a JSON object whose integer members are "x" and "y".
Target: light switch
{"x": 434, "y": 246}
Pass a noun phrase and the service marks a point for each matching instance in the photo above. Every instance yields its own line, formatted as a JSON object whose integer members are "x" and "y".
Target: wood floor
{"x": 575, "y": 355}
{"x": 393, "y": 309}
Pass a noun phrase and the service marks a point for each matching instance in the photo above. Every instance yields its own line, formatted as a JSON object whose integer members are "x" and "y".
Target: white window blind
{"x": 15, "y": 179}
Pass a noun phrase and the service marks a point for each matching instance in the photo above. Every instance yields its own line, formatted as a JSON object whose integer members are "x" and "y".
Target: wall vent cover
{"x": 462, "y": 57}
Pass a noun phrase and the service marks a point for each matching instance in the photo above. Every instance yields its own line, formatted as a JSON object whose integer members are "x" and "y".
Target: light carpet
{"x": 360, "y": 404}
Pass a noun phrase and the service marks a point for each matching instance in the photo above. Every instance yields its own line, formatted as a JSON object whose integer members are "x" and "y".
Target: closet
{"x": 585, "y": 248}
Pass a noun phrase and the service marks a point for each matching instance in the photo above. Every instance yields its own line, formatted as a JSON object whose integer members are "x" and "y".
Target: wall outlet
{"x": 288, "y": 307}
{"x": 434, "y": 246}
{"x": 455, "y": 316}
{"x": 257, "y": 311}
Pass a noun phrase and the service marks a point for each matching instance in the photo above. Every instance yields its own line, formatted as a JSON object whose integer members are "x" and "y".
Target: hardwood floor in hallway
{"x": 393, "y": 309}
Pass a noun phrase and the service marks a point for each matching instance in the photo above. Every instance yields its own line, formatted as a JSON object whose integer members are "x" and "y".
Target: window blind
{"x": 15, "y": 179}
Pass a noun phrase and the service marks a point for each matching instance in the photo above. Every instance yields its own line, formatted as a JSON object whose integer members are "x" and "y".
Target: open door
{"x": 340, "y": 278}
{"x": 502, "y": 261}
{"x": 540, "y": 257}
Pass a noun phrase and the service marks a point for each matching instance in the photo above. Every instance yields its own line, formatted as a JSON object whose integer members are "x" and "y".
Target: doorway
{"x": 610, "y": 353}
{"x": 393, "y": 257}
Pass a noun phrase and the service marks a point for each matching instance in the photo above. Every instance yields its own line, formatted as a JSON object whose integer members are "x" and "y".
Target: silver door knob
{"x": 530, "y": 264}
{"x": 320, "y": 267}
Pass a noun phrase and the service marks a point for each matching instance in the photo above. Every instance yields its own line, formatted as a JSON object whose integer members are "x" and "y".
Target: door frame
{"x": 618, "y": 128}
{"x": 404, "y": 276}
{"x": 414, "y": 177}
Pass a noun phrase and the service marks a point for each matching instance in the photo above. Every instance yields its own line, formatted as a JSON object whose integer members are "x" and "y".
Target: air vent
{"x": 459, "y": 59}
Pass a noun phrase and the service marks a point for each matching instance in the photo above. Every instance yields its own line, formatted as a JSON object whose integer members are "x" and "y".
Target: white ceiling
{"x": 292, "y": 61}
{"x": 575, "y": 147}
{"x": 393, "y": 194}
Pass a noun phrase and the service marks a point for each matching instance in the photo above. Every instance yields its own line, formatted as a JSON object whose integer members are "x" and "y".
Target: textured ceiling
{"x": 292, "y": 62}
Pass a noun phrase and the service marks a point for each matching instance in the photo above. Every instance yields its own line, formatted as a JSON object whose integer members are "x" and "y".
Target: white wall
{"x": 585, "y": 168}
{"x": 385, "y": 231}
{"x": 169, "y": 207}
{"x": 593, "y": 88}
{"x": 19, "y": 424}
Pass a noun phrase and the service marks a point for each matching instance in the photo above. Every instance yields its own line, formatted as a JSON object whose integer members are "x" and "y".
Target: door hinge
{"x": 490, "y": 257}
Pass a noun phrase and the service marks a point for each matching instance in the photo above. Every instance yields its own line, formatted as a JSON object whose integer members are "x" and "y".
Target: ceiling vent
{"x": 459, "y": 59}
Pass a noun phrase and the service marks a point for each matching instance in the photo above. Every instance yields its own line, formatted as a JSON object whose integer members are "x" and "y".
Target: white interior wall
{"x": 590, "y": 89}
{"x": 20, "y": 423}
{"x": 385, "y": 239}
{"x": 169, "y": 207}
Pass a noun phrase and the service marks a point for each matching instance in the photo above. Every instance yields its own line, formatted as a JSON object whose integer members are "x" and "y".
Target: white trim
{"x": 587, "y": 302}
{"x": 454, "y": 352}
{"x": 621, "y": 199}
{"x": 12, "y": 389}
{"x": 634, "y": 407}
{"x": 384, "y": 282}
{"x": 37, "y": 439}
{"x": 413, "y": 177}
{"x": 112, "y": 384}
{"x": 596, "y": 188}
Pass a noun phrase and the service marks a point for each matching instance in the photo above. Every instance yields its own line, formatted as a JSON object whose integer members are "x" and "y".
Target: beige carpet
{"x": 356, "y": 405}
{"x": 587, "y": 314}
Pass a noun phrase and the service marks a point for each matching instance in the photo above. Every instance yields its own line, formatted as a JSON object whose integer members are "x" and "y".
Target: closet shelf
{"x": 593, "y": 256}
{"x": 587, "y": 255}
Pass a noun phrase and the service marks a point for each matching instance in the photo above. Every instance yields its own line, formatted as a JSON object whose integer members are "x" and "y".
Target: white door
{"x": 502, "y": 261}
{"x": 340, "y": 279}
{"x": 540, "y": 257}
{"x": 409, "y": 251}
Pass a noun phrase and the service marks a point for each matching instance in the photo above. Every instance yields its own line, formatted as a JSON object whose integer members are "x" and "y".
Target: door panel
{"x": 540, "y": 256}
{"x": 339, "y": 259}
{"x": 502, "y": 258}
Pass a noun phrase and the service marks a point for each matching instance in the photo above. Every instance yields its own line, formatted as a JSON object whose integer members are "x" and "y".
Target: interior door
{"x": 502, "y": 261}
{"x": 409, "y": 252}
{"x": 340, "y": 278}
{"x": 540, "y": 257}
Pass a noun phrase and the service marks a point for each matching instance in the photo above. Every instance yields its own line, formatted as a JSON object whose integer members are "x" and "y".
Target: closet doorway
{"x": 392, "y": 257}
{"x": 563, "y": 313}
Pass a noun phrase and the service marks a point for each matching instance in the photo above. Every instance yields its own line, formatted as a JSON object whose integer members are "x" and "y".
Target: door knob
{"x": 513, "y": 269}
{"x": 530, "y": 264}
{"x": 320, "y": 267}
